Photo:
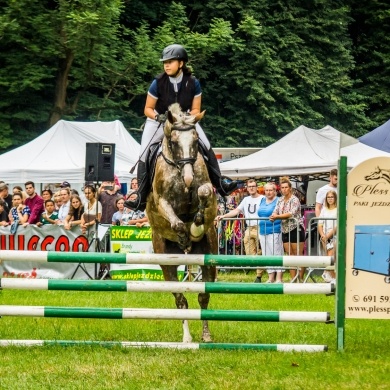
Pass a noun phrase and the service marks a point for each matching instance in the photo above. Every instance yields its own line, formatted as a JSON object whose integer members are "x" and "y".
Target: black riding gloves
{"x": 161, "y": 118}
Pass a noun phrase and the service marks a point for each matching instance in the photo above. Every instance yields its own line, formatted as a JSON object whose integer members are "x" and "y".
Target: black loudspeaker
{"x": 99, "y": 162}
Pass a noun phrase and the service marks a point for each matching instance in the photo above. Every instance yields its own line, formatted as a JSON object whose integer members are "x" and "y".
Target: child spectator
{"x": 119, "y": 205}
{"x": 76, "y": 210}
{"x": 133, "y": 217}
{"x": 49, "y": 216}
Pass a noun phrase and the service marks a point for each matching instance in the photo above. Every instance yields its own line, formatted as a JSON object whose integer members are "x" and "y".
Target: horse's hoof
{"x": 187, "y": 340}
{"x": 199, "y": 219}
{"x": 185, "y": 245}
{"x": 206, "y": 338}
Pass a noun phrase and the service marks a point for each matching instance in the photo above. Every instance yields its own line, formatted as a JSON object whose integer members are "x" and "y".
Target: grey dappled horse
{"x": 182, "y": 205}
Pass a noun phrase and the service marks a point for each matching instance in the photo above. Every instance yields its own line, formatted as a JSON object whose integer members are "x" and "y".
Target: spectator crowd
{"x": 273, "y": 220}
{"x": 96, "y": 204}
{"x": 273, "y": 224}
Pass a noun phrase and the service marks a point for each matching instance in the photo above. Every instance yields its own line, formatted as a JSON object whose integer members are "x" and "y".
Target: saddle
{"x": 151, "y": 159}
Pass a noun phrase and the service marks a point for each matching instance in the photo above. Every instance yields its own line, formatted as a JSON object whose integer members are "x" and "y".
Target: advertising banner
{"x": 129, "y": 239}
{"x": 368, "y": 240}
{"x": 45, "y": 238}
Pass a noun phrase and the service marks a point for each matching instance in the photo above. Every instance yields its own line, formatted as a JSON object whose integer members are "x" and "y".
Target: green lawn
{"x": 365, "y": 363}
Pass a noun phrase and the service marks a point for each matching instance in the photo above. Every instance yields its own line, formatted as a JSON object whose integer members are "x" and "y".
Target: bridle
{"x": 179, "y": 164}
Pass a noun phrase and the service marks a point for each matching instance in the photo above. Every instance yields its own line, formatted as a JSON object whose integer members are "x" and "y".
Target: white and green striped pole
{"x": 163, "y": 314}
{"x": 168, "y": 345}
{"x": 167, "y": 259}
{"x": 173, "y": 287}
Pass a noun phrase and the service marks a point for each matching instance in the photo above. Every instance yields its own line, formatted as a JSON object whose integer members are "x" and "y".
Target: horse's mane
{"x": 181, "y": 118}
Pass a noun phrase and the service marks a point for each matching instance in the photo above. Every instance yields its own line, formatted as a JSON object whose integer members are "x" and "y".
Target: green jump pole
{"x": 341, "y": 251}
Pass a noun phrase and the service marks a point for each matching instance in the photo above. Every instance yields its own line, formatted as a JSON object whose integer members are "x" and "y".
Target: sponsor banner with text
{"x": 129, "y": 239}
{"x": 368, "y": 240}
{"x": 44, "y": 238}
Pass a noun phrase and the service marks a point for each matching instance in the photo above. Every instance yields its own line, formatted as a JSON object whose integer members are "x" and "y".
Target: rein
{"x": 179, "y": 164}
{"x": 190, "y": 127}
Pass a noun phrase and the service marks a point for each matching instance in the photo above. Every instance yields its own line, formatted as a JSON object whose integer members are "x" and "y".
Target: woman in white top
{"x": 92, "y": 209}
{"x": 327, "y": 229}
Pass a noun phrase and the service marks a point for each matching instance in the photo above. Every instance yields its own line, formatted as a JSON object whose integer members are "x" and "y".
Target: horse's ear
{"x": 168, "y": 124}
{"x": 170, "y": 117}
{"x": 199, "y": 116}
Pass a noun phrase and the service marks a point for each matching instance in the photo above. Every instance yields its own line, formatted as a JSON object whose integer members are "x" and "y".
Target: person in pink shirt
{"x": 34, "y": 202}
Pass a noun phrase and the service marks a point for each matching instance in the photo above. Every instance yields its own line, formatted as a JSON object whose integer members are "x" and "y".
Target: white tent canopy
{"x": 304, "y": 151}
{"x": 59, "y": 153}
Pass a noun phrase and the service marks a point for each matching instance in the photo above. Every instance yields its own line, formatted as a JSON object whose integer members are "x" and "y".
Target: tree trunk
{"x": 59, "y": 106}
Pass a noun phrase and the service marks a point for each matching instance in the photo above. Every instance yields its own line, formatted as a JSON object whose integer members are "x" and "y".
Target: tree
{"x": 290, "y": 64}
{"x": 80, "y": 63}
{"x": 371, "y": 48}
{"x": 265, "y": 66}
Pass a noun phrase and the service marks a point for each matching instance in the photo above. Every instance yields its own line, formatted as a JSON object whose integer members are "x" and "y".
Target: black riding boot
{"x": 223, "y": 185}
{"x": 143, "y": 189}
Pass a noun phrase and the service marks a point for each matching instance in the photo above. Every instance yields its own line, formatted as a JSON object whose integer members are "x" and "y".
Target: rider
{"x": 175, "y": 85}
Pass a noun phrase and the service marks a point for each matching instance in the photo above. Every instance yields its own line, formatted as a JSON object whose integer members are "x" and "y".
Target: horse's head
{"x": 182, "y": 141}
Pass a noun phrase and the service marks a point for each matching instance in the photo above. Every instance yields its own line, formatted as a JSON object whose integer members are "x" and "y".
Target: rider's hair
{"x": 186, "y": 69}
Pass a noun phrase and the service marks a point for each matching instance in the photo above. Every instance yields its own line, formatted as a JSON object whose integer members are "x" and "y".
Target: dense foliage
{"x": 265, "y": 67}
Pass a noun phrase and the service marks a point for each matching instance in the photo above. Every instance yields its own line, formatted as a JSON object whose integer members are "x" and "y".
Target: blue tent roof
{"x": 378, "y": 138}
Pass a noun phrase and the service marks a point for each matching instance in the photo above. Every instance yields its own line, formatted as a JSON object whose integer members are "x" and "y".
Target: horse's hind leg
{"x": 208, "y": 275}
{"x": 170, "y": 274}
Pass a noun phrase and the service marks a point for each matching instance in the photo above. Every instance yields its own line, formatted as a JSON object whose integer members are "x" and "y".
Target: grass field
{"x": 365, "y": 363}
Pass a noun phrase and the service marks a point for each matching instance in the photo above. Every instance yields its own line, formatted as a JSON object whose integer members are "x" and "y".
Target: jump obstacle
{"x": 166, "y": 314}
{"x": 166, "y": 259}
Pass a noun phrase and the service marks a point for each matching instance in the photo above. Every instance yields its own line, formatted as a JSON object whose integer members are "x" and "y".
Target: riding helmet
{"x": 174, "y": 52}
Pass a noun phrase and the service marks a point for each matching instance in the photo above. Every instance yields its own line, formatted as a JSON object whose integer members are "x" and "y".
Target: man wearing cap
{"x": 65, "y": 184}
{"x": 34, "y": 202}
{"x": 5, "y": 196}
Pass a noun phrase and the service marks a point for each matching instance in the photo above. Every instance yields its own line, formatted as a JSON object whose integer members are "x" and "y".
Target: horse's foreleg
{"x": 208, "y": 275}
{"x": 177, "y": 225}
{"x": 205, "y": 194}
{"x": 170, "y": 274}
